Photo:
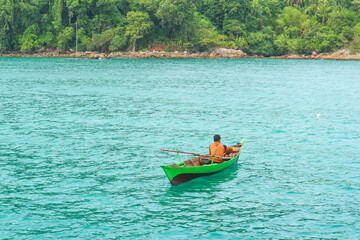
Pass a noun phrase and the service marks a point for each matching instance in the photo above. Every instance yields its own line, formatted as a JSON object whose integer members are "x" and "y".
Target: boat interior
{"x": 194, "y": 162}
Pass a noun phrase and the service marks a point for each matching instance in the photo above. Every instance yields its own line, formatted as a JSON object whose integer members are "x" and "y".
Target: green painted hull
{"x": 178, "y": 175}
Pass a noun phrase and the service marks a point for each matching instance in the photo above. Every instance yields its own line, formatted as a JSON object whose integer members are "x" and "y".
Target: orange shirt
{"x": 221, "y": 149}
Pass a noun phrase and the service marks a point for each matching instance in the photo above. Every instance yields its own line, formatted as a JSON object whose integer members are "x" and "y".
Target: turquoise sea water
{"x": 80, "y": 140}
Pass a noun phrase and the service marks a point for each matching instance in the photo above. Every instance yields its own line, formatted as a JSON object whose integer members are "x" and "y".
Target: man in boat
{"x": 221, "y": 149}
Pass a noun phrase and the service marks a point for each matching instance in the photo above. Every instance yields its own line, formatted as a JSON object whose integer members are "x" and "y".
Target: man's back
{"x": 220, "y": 149}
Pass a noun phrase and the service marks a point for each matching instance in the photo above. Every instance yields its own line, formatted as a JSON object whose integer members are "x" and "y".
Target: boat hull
{"x": 178, "y": 175}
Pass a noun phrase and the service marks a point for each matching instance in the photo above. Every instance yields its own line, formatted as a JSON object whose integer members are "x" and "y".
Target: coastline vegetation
{"x": 265, "y": 27}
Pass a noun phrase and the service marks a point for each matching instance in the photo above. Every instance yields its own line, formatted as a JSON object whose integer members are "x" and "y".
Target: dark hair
{"x": 217, "y": 137}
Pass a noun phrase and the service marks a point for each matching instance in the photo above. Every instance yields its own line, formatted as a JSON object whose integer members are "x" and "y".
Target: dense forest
{"x": 266, "y": 27}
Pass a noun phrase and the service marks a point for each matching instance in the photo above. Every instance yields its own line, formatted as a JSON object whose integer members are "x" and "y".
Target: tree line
{"x": 266, "y": 27}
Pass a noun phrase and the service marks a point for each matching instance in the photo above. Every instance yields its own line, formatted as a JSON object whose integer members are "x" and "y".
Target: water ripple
{"x": 79, "y": 148}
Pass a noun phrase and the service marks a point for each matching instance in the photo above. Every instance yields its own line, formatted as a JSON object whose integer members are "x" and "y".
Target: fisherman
{"x": 221, "y": 149}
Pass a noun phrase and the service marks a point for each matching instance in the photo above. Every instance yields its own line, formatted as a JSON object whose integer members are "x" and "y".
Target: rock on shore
{"x": 342, "y": 54}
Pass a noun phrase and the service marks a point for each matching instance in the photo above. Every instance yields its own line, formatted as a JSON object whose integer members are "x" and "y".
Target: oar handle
{"x": 176, "y": 151}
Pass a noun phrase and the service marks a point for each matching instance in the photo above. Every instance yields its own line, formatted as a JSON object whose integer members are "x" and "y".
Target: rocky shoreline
{"x": 342, "y": 54}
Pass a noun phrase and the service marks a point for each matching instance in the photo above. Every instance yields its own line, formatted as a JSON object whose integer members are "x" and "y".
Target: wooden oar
{"x": 196, "y": 154}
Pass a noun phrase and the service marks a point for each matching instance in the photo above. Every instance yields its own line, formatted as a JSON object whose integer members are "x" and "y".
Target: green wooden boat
{"x": 185, "y": 171}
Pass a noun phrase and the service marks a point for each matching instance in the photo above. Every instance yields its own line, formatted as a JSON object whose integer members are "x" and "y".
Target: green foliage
{"x": 355, "y": 44}
{"x": 207, "y": 36}
{"x": 241, "y": 43}
{"x": 85, "y": 42}
{"x": 57, "y": 12}
{"x": 176, "y": 17}
{"x": 47, "y": 39}
{"x": 99, "y": 41}
{"x": 168, "y": 49}
{"x": 117, "y": 43}
{"x": 29, "y": 40}
{"x": 292, "y": 22}
{"x": 323, "y": 10}
{"x": 7, "y": 23}
{"x": 234, "y": 27}
{"x": 139, "y": 24}
{"x": 267, "y": 27}
{"x": 282, "y": 44}
{"x": 262, "y": 42}
{"x": 64, "y": 38}
{"x": 326, "y": 40}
